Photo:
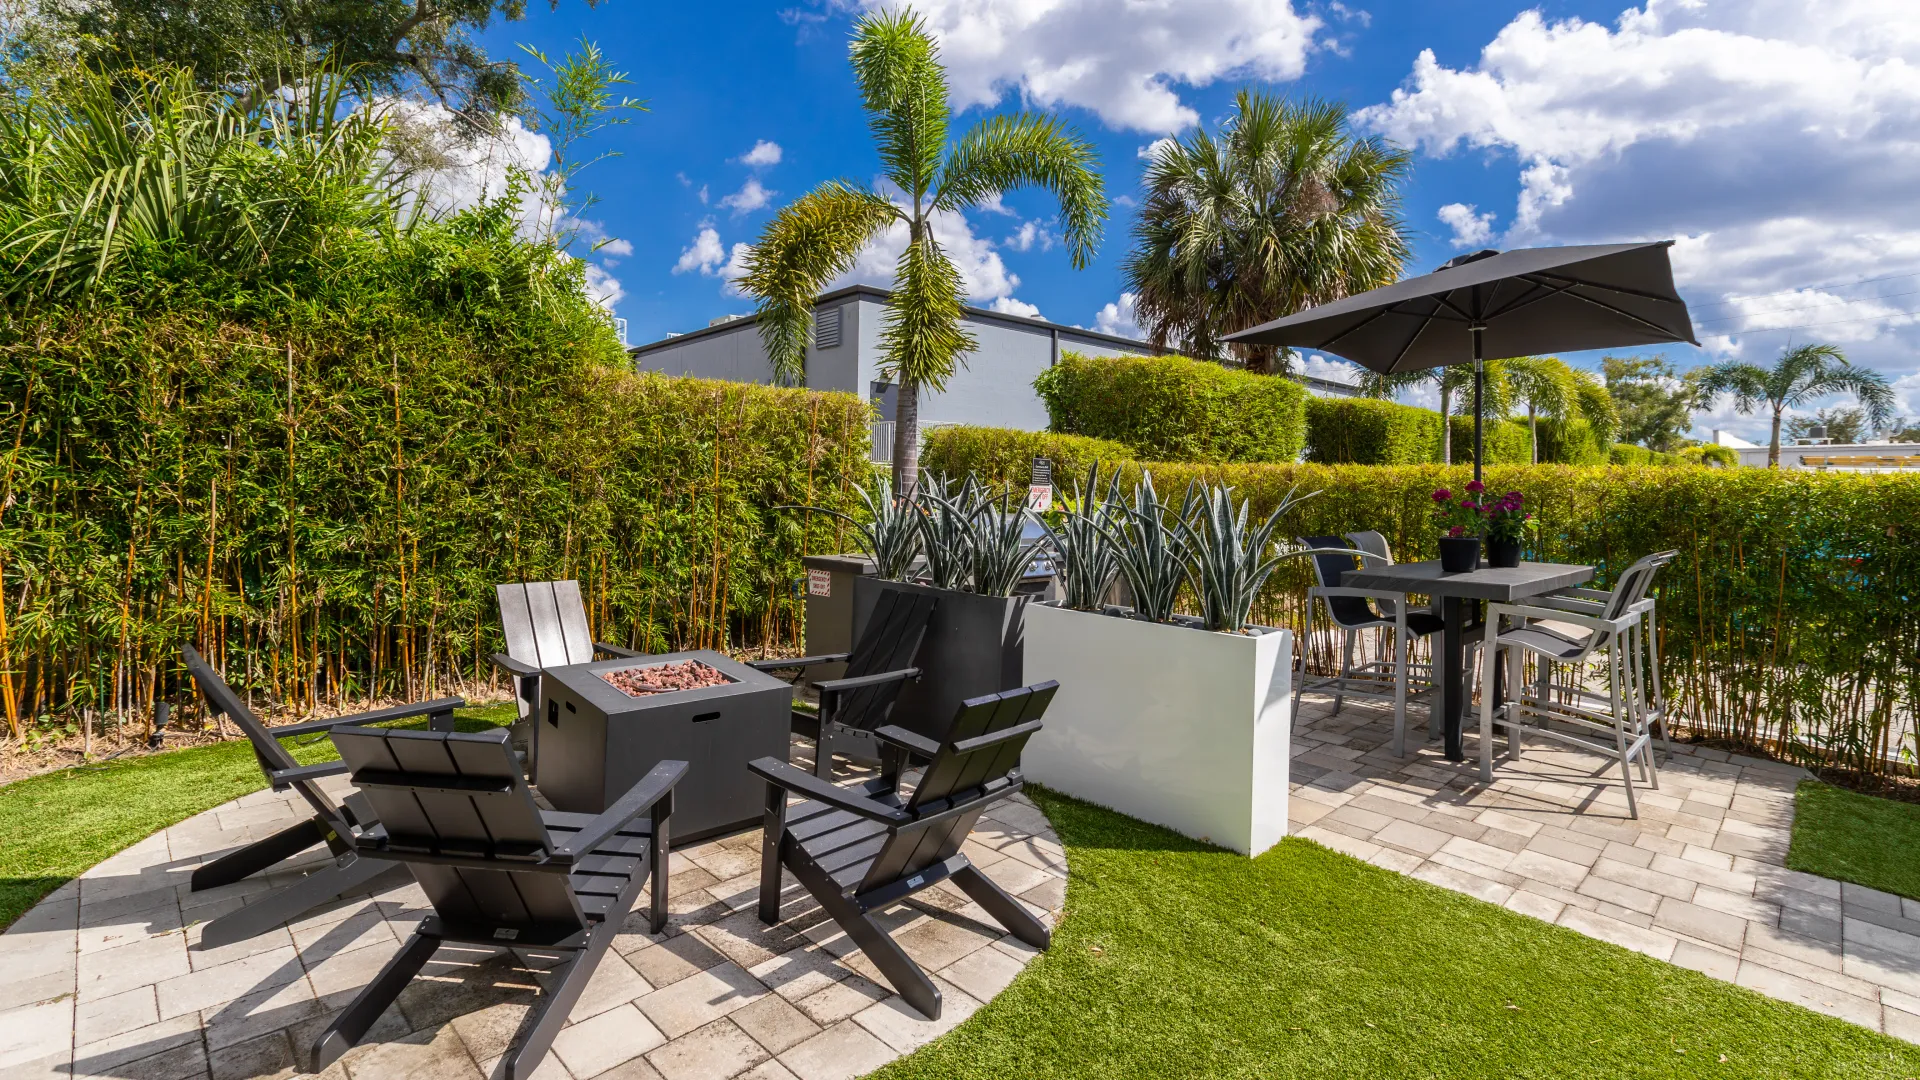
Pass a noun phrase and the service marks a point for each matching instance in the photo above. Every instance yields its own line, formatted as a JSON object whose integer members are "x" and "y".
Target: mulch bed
{"x": 664, "y": 678}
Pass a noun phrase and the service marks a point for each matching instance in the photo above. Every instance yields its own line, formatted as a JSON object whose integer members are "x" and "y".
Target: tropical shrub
{"x": 1508, "y": 441}
{"x": 1570, "y": 442}
{"x": 1629, "y": 454}
{"x": 1005, "y": 452}
{"x": 1786, "y": 623}
{"x": 1170, "y": 408}
{"x": 1369, "y": 431}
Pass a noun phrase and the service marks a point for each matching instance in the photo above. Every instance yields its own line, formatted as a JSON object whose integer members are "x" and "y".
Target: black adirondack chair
{"x": 339, "y": 825}
{"x": 545, "y": 624}
{"x": 456, "y": 810}
{"x": 857, "y": 703}
{"x": 865, "y": 848}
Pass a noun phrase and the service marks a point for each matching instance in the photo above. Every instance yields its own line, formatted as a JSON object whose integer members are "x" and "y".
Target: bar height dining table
{"x": 1460, "y": 596}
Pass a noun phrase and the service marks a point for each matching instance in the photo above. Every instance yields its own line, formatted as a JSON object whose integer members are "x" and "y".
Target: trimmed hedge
{"x": 1628, "y": 454}
{"x": 1508, "y": 441}
{"x": 1366, "y": 431}
{"x": 1176, "y": 409}
{"x": 1787, "y": 622}
{"x": 1004, "y": 452}
{"x": 1570, "y": 442}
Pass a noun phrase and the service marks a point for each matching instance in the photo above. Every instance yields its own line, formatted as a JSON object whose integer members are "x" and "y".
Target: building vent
{"x": 826, "y": 329}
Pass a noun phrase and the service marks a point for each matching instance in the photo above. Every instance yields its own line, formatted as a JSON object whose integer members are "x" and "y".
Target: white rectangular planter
{"x": 1181, "y": 727}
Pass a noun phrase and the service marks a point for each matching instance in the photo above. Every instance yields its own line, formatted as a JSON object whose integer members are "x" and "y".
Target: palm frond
{"x": 904, "y": 89}
{"x": 1003, "y": 153}
{"x": 922, "y": 338}
{"x": 806, "y": 245}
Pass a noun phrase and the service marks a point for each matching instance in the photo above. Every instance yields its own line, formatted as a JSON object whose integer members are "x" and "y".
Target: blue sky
{"x": 1759, "y": 132}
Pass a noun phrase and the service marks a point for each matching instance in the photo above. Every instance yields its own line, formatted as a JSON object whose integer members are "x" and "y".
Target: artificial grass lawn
{"x": 53, "y": 827}
{"x": 1859, "y": 838}
{"x": 1179, "y": 960}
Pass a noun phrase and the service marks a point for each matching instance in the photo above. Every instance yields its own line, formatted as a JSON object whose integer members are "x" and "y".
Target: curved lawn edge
{"x": 1173, "y": 958}
{"x": 55, "y": 826}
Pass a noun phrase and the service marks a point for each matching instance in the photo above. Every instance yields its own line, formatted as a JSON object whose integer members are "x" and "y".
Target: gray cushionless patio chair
{"x": 545, "y": 624}
{"x": 498, "y": 870}
{"x": 865, "y": 848}
{"x": 1352, "y": 611}
{"x": 342, "y": 826}
{"x": 1569, "y": 712}
{"x": 1647, "y": 691}
{"x": 857, "y": 703}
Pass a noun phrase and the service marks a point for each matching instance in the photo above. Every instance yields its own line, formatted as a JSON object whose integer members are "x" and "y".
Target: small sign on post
{"x": 819, "y": 583}
{"x": 1040, "y": 486}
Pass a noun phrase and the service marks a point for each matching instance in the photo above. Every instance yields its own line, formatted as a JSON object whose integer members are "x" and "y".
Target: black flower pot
{"x": 1503, "y": 552}
{"x": 1459, "y": 554}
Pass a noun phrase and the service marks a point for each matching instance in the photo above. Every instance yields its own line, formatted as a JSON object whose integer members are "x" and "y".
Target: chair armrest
{"x": 519, "y": 668}
{"x": 841, "y": 686}
{"x": 1529, "y": 611}
{"x": 783, "y": 664}
{"x": 1577, "y": 592}
{"x": 652, "y": 787}
{"x": 901, "y": 737}
{"x": 786, "y": 777}
{"x": 281, "y": 779}
{"x": 616, "y": 651}
{"x": 377, "y": 716}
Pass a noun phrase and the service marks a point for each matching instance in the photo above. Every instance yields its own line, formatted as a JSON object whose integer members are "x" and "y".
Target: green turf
{"x": 1178, "y": 960}
{"x": 1859, "y": 838}
{"x": 53, "y": 827}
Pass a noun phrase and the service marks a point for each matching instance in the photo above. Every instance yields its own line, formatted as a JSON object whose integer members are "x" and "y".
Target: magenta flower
{"x": 1476, "y": 487}
{"x": 1442, "y": 495}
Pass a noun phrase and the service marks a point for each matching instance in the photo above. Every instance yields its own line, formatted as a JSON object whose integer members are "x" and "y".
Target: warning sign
{"x": 1040, "y": 498}
{"x": 819, "y": 583}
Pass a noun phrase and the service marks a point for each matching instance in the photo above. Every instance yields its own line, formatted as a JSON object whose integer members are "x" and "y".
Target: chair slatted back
{"x": 545, "y": 624}
{"x": 461, "y": 795}
{"x": 980, "y": 751}
{"x": 1328, "y": 568}
{"x": 1374, "y": 544}
{"x": 273, "y": 757}
{"x": 890, "y": 642}
{"x": 1634, "y": 583}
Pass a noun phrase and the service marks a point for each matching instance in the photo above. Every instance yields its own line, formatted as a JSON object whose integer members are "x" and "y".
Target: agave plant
{"x": 1226, "y": 561}
{"x": 945, "y": 510}
{"x": 1083, "y": 555}
{"x": 890, "y": 535}
{"x": 1149, "y": 551}
{"x": 1001, "y": 554}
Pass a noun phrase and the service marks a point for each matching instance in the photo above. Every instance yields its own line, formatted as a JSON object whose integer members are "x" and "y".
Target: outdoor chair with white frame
{"x": 1353, "y": 611}
{"x": 1579, "y": 628}
{"x": 1643, "y": 643}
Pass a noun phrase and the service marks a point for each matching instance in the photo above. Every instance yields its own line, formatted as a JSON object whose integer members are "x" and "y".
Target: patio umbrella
{"x": 1491, "y": 305}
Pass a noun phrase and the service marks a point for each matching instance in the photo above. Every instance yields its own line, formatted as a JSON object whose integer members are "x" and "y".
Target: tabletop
{"x": 1500, "y": 584}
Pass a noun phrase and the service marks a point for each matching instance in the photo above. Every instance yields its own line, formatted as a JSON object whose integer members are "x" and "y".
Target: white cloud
{"x": 1152, "y": 150}
{"x": 751, "y": 196}
{"x": 1330, "y": 369}
{"x": 1776, "y": 140}
{"x": 603, "y": 288}
{"x": 995, "y": 203}
{"x": 1117, "y": 318}
{"x": 1122, "y": 59}
{"x": 1029, "y": 234}
{"x": 984, "y": 277}
{"x": 1469, "y": 229}
{"x": 456, "y": 173}
{"x": 1007, "y": 305}
{"x": 617, "y": 246}
{"x": 764, "y": 153}
{"x": 705, "y": 254}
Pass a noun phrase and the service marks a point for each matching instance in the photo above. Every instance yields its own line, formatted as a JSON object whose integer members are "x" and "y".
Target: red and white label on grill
{"x": 819, "y": 583}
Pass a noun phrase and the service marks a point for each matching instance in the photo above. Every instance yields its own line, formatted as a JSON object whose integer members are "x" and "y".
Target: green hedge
{"x": 1004, "y": 452}
{"x": 327, "y": 493}
{"x": 1365, "y": 431}
{"x": 1508, "y": 441}
{"x": 1570, "y": 442}
{"x": 1176, "y": 409}
{"x": 1629, "y": 454}
{"x": 1787, "y": 621}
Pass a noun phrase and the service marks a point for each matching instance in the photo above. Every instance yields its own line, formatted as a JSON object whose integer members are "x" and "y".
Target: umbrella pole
{"x": 1479, "y": 388}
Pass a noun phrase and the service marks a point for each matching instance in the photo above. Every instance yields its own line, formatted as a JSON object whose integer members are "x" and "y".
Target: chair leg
{"x": 1516, "y": 665}
{"x": 773, "y": 832}
{"x": 573, "y": 977}
{"x": 1346, "y": 672}
{"x": 659, "y": 863}
{"x": 356, "y": 1018}
{"x": 297, "y": 898}
{"x": 1400, "y": 661}
{"x": 1620, "y": 725}
{"x": 1006, "y": 910}
{"x": 257, "y": 856}
{"x": 1488, "y": 653}
{"x": 901, "y": 972}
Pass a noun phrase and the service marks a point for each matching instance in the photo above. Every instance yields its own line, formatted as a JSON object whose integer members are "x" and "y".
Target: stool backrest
{"x": 1328, "y": 568}
{"x": 457, "y": 810}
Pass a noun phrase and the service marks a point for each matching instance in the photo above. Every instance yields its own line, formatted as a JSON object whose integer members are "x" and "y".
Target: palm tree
{"x": 1455, "y": 378}
{"x": 1546, "y": 385}
{"x": 1279, "y": 210}
{"x": 817, "y": 238}
{"x": 1800, "y": 376}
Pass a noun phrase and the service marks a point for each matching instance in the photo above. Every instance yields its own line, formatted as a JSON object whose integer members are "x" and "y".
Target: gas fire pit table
{"x": 608, "y": 723}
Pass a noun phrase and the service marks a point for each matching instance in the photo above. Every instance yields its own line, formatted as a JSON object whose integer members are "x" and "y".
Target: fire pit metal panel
{"x": 596, "y": 740}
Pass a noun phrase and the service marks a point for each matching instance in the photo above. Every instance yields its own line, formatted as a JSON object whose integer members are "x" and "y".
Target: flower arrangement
{"x": 1508, "y": 522}
{"x": 1465, "y": 516}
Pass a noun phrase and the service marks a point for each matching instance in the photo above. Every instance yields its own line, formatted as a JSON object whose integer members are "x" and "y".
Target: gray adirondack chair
{"x": 545, "y": 624}
{"x": 866, "y": 848}
{"x": 341, "y": 825}
{"x": 456, "y": 810}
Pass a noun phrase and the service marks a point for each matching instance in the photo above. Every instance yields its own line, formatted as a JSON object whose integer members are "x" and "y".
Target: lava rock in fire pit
{"x": 664, "y": 678}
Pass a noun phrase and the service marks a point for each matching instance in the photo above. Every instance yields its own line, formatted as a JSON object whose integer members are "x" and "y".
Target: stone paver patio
{"x": 105, "y": 978}
{"x": 1699, "y": 879}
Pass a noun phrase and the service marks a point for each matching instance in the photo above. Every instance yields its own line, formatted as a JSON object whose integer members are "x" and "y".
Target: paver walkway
{"x": 105, "y": 978}
{"x": 1699, "y": 879}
